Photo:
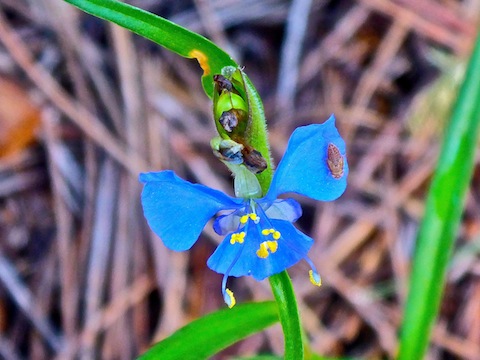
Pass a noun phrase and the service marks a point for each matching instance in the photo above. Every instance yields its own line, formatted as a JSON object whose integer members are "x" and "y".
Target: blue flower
{"x": 260, "y": 237}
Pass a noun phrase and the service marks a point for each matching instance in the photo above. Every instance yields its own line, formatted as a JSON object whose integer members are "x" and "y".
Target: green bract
{"x": 234, "y": 119}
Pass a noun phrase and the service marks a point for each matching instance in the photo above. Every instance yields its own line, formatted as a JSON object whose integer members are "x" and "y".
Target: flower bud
{"x": 228, "y": 101}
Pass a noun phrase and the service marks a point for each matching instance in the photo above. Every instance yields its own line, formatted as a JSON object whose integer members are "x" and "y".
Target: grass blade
{"x": 211, "y": 333}
{"x": 442, "y": 215}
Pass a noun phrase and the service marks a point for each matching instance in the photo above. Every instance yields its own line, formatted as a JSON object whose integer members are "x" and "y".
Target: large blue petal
{"x": 293, "y": 246}
{"x": 304, "y": 169}
{"x": 177, "y": 210}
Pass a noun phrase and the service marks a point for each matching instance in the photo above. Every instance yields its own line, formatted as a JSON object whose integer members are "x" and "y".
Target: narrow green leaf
{"x": 164, "y": 32}
{"x": 319, "y": 357}
{"x": 443, "y": 211}
{"x": 310, "y": 357}
{"x": 260, "y": 357}
{"x": 211, "y": 333}
{"x": 288, "y": 311}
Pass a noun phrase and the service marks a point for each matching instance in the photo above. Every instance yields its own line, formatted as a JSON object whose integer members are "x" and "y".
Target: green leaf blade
{"x": 163, "y": 32}
{"x": 211, "y": 333}
{"x": 442, "y": 216}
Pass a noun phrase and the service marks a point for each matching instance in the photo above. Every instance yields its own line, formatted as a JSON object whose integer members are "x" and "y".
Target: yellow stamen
{"x": 262, "y": 252}
{"x": 251, "y": 216}
{"x": 202, "y": 60}
{"x": 231, "y": 299}
{"x": 275, "y": 234}
{"x": 313, "y": 280}
{"x": 267, "y": 248}
{"x": 237, "y": 237}
{"x": 272, "y": 246}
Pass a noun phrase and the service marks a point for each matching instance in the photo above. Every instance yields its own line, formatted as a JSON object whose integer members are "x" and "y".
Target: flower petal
{"x": 228, "y": 223}
{"x": 284, "y": 209}
{"x": 177, "y": 210}
{"x": 292, "y": 247}
{"x": 304, "y": 168}
{"x": 226, "y": 256}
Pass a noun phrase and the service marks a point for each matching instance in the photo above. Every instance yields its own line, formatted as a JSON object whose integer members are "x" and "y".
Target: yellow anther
{"x": 262, "y": 252}
{"x": 275, "y": 234}
{"x": 272, "y": 246}
{"x": 237, "y": 237}
{"x": 267, "y": 248}
{"x": 251, "y": 216}
{"x": 229, "y": 298}
{"x": 315, "y": 278}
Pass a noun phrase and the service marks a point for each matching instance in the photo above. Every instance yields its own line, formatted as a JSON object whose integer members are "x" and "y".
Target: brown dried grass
{"x": 81, "y": 276}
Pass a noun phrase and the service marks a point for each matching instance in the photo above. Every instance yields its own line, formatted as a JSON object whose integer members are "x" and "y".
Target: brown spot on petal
{"x": 335, "y": 161}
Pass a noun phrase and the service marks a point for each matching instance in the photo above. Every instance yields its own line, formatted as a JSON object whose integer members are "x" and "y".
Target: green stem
{"x": 281, "y": 284}
{"x": 289, "y": 317}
